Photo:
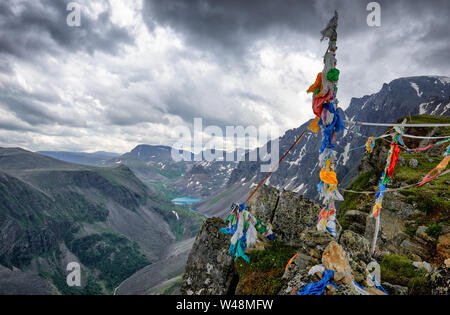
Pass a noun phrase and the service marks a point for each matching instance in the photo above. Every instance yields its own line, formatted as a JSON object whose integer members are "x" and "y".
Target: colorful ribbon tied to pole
{"x": 243, "y": 227}
{"x": 324, "y": 223}
{"x": 329, "y": 120}
{"x": 386, "y": 176}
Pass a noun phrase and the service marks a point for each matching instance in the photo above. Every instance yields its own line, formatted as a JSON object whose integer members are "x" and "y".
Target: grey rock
{"x": 358, "y": 219}
{"x": 417, "y": 247}
{"x": 210, "y": 269}
{"x": 345, "y": 289}
{"x": 413, "y": 163}
{"x": 293, "y": 215}
{"x": 423, "y": 265}
{"x": 420, "y": 230}
{"x": 16, "y": 282}
{"x": 445, "y": 229}
{"x": 357, "y": 246}
{"x": 393, "y": 289}
{"x": 301, "y": 262}
{"x": 297, "y": 281}
{"x": 359, "y": 270}
{"x": 312, "y": 237}
{"x": 440, "y": 281}
{"x": 264, "y": 203}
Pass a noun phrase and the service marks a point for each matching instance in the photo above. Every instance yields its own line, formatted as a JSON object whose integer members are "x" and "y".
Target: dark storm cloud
{"x": 40, "y": 24}
{"x": 239, "y": 62}
{"x": 232, "y": 25}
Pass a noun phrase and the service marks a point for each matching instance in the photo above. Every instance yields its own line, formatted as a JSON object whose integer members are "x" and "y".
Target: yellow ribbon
{"x": 376, "y": 209}
{"x": 443, "y": 165}
{"x": 328, "y": 177}
{"x": 314, "y": 126}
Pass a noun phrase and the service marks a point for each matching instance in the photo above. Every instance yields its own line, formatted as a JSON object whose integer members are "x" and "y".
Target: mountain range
{"x": 112, "y": 213}
{"x": 299, "y": 171}
{"x": 54, "y": 212}
{"x": 83, "y": 158}
{"x": 219, "y": 183}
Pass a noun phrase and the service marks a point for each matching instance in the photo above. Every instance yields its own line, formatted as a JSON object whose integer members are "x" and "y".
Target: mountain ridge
{"x": 50, "y": 207}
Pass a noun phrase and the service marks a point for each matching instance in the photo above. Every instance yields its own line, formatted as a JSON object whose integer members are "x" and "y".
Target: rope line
{"x": 404, "y": 135}
{"x": 390, "y": 189}
{"x": 394, "y": 125}
{"x": 275, "y": 167}
{"x": 354, "y": 123}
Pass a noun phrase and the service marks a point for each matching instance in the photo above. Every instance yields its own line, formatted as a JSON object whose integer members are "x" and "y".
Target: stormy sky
{"x": 134, "y": 70}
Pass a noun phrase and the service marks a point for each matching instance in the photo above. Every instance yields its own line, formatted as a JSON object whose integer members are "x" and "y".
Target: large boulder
{"x": 210, "y": 269}
{"x": 264, "y": 202}
{"x": 313, "y": 238}
{"x": 335, "y": 258}
{"x": 294, "y": 214}
{"x": 425, "y": 248}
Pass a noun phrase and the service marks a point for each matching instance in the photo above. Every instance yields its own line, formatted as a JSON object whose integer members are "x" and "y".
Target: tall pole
{"x": 325, "y": 107}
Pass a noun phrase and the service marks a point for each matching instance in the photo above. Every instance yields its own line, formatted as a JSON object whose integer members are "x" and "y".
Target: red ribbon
{"x": 318, "y": 103}
{"x": 394, "y": 159}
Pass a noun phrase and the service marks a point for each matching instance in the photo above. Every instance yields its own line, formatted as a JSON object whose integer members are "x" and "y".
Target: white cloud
{"x": 91, "y": 101}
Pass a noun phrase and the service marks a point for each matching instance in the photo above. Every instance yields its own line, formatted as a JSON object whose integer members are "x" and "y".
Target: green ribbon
{"x": 333, "y": 75}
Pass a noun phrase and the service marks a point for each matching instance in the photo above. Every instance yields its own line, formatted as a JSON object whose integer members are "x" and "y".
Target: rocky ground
{"x": 404, "y": 270}
{"x": 210, "y": 270}
{"x": 412, "y": 252}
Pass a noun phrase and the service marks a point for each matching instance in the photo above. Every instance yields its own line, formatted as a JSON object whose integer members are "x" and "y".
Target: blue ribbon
{"x": 238, "y": 249}
{"x": 337, "y": 125}
{"x": 379, "y": 287}
{"x": 382, "y": 188}
{"x": 320, "y": 186}
{"x": 317, "y": 288}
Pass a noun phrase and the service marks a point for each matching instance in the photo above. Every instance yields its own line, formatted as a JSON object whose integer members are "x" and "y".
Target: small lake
{"x": 185, "y": 201}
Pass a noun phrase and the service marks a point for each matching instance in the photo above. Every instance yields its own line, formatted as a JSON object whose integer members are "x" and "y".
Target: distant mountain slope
{"x": 155, "y": 166}
{"x": 50, "y": 208}
{"x": 150, "y": 278}
{"x": 94, "y": 158}
{"x": 18, "y": 159}
{"x": 299, "y": 170}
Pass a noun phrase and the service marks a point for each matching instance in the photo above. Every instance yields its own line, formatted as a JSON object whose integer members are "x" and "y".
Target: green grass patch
{"x": 428, "y": 119}
{"x": 353, "y": 201}
{"x": 435, "y": 229}
{"x": 399, "y": 270}
{"x": 262, "y": 276}
{"x": 188, "y": 223}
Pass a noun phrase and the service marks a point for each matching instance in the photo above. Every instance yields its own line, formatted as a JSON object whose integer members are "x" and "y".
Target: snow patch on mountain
{"x": 422, "y": 108}
{"x": 444, "y": 80}
{"x": 416, "y": 87}
{"x": 296, "y": 190}
{"x": 345, "y": 154}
